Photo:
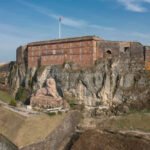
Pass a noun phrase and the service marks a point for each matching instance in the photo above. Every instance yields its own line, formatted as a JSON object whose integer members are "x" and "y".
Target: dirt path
{"x": 20, "y": 110}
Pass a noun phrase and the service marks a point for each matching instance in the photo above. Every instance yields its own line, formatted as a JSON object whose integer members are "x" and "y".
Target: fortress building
{"x": 83, "y": 51}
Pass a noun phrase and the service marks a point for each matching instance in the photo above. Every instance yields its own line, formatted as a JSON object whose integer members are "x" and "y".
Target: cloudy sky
{"x": 23, "y": 21}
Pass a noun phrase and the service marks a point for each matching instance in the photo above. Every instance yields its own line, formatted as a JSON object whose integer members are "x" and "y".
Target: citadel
{"x": 83, "y": 51}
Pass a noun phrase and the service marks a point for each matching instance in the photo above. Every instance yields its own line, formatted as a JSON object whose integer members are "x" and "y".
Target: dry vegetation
{"x": 5, "y": 97}
{"x": 134, "y": 121}
{"x": 27, "y": 130}
{"x": 94, "y": 140}
{"x": 98, "y": 140}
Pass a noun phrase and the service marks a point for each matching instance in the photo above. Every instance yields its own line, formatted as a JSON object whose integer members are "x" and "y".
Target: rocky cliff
{"x": 116, "y": 83}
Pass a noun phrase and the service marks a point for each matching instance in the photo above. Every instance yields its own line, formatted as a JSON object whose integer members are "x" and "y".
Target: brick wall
{"x": 82, "y": 53}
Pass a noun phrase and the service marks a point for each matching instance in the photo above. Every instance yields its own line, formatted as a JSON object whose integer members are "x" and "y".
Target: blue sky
{"x": 23, "y": 21}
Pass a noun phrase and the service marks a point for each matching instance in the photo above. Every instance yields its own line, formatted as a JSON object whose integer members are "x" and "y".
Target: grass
{"x": 72, "y": 101}
{"x": 132, "y": 121}
{"x": 51, "y": 114}
{"x": 6, "y": 97}
{"x": 26, "y": 130}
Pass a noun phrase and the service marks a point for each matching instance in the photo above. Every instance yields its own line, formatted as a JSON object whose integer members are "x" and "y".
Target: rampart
{"x": 83, "y": 51}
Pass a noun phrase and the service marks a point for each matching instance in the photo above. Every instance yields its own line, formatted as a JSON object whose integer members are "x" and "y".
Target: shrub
{"x": 72, "y": 104}
{"x": 59, "y": 113}
{"x": 51, "y": 113}
{"x": 22, "y": 94}
{"x": 13, "y": 103}
{"x": 98, "y": 103}
{"x": 5, "y": 96}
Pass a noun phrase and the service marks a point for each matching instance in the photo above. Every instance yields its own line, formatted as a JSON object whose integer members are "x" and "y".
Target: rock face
{"x": 109, "y": 141}
{"x": 16, "y": 77}
{"x": 47, "y": 97}
{"x": 113, "y": 82}
{"x": 5, "y": 144}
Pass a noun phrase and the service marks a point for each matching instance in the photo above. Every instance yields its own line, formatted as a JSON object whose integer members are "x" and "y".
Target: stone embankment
{"x": 55, "y": 140}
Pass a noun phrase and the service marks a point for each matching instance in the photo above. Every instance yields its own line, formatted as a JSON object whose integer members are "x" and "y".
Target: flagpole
{"x": 59, "y": 27}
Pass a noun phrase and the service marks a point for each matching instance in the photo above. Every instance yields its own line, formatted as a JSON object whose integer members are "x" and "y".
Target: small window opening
{"x": 126, "y": 49}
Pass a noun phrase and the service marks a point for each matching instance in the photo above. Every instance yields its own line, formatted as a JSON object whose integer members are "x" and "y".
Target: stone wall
{"x": 106, "y": 48}
{"x": 56, "y": 138}
{"x": 21, "y": 54}
{"x": 5, "y": 144}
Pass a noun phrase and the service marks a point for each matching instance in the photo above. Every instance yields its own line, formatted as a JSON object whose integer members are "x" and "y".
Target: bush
{"x": 5, "y": 96}
{"x": 59, "y": 113}
{"x": 51, "y": 113}
{"x": 22, "y": 94}
{"x": 13, "y": 103}
{"x": 98, "y": 103}
{"x": 72, "y": 104}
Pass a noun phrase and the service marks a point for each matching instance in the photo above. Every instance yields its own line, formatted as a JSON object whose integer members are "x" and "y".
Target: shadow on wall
{"x": 5, "y": 144}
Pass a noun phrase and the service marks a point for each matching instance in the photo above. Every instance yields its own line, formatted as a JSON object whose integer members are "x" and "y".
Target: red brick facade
{"x": 78, "y": 50}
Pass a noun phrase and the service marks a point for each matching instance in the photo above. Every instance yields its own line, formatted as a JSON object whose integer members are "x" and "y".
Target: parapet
{"x": 66, "y": 40}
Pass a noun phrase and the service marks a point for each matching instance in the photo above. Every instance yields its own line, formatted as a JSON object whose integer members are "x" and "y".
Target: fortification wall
{"x": 21, "y": 54}
{"x": 137, "y": 52}
{"x": 107, "y": 47}
{"x": 80, "y": 52}
{"x": 83, "y": 51}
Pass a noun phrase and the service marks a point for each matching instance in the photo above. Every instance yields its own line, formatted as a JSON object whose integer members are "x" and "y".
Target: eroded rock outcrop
{"x": 113, "y": 82}
{"x": 47, "y": 97}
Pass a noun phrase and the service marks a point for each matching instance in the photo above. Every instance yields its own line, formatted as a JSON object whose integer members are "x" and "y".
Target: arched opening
{"x": 108, "y": 52}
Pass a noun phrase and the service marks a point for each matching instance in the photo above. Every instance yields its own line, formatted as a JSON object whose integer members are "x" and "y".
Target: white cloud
{"x": 68, "y": 21}
{"x": 141, "y": 35}
{"x": 102, "y": 27}
{"x": 134, "y": 5}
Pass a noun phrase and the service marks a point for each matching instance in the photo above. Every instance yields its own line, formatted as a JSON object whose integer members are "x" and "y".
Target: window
{"x": 126, "y": 49}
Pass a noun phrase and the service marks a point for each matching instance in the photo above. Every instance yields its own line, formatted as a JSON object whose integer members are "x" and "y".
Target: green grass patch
{"x": 51, "y": 113}
{"x": 13, "y": 103}
{"x": 72, "y": 101}
{"x": 6, "y": 97}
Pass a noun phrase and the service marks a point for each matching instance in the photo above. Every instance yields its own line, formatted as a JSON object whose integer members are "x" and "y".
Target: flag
{"x": 60, "y": 19}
